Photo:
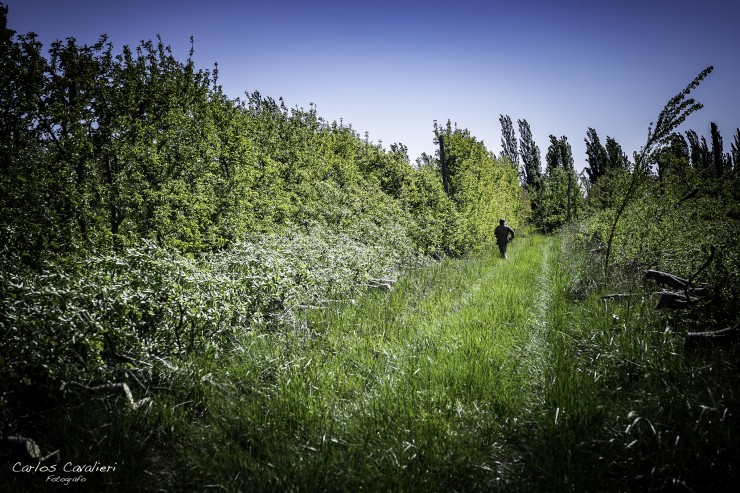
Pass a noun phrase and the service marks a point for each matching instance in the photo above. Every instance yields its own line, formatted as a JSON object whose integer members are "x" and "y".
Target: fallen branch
{"x": 666, "y": 279}
{"x": 673, "y": 300}
{"x": 123, "y": 387}
{"x": 723, "y": 336}
{"x": 619, "y": 296}
{"x": 386, "y": 284}
{"x": 18, "y": 448}
{"x": 688, "y": 196}
{"x": 690, "y": 294}
{"x": 127, "y": 392}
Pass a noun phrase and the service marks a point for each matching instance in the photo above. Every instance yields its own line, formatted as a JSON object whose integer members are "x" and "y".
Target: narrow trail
{"x": 471, "y": 330}
{"x": 537, "y": 325}
{"x": 418, "y": 389}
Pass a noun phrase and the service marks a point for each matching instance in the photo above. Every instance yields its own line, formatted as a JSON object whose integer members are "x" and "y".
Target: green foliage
{"x": 93, "y": 318}
{"x": 673, "y": 114}
{"x": 670, "y": 225}
{"x": 482, "y": 187}
{"x": 673, "y": 218}
{"x": 557, "y": 198}
{"x": 104, "y": 149}
{"x": 435, "y": 216}
{"x": 531, "y": 167}
{"x": 609, "y": 190}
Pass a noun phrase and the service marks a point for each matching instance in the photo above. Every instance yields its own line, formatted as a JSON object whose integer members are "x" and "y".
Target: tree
{"x": 596, "y": 156}
{"x": 559, "y": 154}
{"x": 561, "y": 195}
{"x": 531, "y": 168}
{"x": 425, "y": 160}
{"x": 676, "y": 110}
{"x": 25, "y": 215}
{"x": 616, "y": 157}
{"x": 735, "y": 152}
{"x": 101, "y": 150}
{"x": 444, "y": 169}
{"x": 508, "y": 141}
{"x": 484, "y": 188}
{"x": 673, "y": 158}
{"x": 720, "y": 161}
{"x": 698, "y": 150}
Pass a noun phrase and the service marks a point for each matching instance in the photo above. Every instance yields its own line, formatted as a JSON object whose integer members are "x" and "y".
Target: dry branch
{"x": 673, "y": 300}
{"x": 619, "y": 296}
{"x": 670, "y": 280}
{"x": 123, "y": 387}
{"x": 386, "y": 284}
{"x": 727, "y": 335}
{"x": 18, "y": 448}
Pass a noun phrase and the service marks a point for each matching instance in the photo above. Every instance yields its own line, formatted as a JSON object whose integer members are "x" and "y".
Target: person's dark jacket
{"x": 504, "y": 234}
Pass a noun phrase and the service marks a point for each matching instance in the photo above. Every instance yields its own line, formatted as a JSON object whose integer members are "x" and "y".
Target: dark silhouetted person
{"x": 504, "y": 234}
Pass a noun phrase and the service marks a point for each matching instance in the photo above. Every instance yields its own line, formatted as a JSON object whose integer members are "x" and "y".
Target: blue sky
{"x": 393, "y": 67}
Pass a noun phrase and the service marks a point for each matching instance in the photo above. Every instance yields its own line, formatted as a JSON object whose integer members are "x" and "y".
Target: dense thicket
{"x": 675, "y": 209}
{"x": 104, "y": 149}
{"x": 483, "y": 188}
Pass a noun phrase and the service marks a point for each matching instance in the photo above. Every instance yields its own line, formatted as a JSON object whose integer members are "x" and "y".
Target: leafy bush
{"x": 86, "y": 319}
{"x": 661, "y": 229}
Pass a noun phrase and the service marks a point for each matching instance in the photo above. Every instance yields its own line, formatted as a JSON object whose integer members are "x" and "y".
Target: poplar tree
{"x": 561, "y": 194}
{"x": 735, "y": 152}
{"x": 718, "y": 158}
{"x": 615, "y": 156}
{"x": 508, "y": 141}
{"x": 531, "y": 167}
{"x": 596, "y": 156}
{"x": 559, "y": 154}
{"x": 698, "y": 150}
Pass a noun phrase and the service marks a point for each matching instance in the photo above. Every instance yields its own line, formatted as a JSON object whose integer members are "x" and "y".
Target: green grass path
{"x": 414, "y": 389}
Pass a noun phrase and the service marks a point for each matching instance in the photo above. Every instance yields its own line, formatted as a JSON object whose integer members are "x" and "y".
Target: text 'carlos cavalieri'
{"x": 68, "y": 467}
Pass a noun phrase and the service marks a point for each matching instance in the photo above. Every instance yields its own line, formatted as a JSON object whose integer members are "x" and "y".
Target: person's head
{"x": 502, "y": 221}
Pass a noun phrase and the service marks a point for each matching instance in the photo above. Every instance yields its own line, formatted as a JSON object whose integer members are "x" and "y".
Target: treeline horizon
{"x": 103, "y": 149}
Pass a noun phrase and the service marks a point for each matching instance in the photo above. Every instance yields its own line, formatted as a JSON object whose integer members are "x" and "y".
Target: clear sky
{"x": 393, "y": 67}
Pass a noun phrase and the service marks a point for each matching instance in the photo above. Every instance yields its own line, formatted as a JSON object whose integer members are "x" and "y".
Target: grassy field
{"x": 476, "y": 374}
{"x": 415, "y": 389}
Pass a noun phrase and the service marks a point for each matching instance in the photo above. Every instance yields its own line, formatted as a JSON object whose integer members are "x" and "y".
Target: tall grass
{"x": 403, "y": 390}
{"x": 626, "y": 406}
{"x": 476, "y": 374}
{"x": 414, "y": 389}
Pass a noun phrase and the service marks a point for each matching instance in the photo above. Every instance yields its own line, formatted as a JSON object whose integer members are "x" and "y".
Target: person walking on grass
{"x": 504, "y": 234}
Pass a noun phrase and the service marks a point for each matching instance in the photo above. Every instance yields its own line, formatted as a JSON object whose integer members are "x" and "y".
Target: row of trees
{"x": 675, "y": 206}
{"x": 556, "y": 195}
{"x": 100, "y": 149}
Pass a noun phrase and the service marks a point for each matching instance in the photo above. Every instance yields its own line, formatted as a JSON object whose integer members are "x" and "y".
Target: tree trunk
{"x": 570, "y": 187}
{"x": 443, "y": 163}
